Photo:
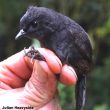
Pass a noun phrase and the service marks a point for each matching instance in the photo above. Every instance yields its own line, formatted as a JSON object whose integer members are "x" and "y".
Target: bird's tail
{"x": 80, "y": 92}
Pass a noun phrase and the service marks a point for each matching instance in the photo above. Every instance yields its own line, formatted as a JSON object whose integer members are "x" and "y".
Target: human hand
{"x": 25, "y": 83}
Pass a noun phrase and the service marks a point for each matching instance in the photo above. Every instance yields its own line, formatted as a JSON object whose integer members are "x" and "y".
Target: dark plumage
{"x": 64, "y": 37}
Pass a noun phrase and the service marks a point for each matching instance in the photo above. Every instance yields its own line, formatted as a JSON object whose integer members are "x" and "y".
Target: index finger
{"x": 17, "y": 64}
{"x": 14, "y": 71}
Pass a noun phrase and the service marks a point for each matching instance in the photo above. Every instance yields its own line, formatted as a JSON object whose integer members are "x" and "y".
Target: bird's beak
{"x": 20, "y": 34}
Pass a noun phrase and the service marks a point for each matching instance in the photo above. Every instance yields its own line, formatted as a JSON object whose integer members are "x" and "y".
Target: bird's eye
{"x": 34, "y": 24}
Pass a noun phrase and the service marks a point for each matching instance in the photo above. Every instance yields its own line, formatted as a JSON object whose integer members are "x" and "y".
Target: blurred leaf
{"x": 101, "y": 107}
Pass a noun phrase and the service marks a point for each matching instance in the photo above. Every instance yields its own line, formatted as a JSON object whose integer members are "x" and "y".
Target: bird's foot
{"x": 34, "y": 54}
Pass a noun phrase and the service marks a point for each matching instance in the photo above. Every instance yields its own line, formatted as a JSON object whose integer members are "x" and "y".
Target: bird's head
{"x": 37, "y": 22}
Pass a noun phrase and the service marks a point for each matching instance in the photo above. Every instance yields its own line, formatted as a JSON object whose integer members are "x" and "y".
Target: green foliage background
{"x": 93, "y": 16}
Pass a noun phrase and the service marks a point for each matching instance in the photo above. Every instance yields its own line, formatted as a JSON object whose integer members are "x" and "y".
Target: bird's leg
{"x": 34, "y": 54}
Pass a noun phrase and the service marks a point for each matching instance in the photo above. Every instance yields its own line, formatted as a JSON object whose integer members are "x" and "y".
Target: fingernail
{"x": 73, "y": 71}
{"x": 59, "y": 62}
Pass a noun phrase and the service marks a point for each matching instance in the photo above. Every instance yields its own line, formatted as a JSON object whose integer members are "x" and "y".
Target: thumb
{"x": 41, "y": 87}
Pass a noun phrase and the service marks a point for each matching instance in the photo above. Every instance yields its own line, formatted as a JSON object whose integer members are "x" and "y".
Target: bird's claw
{"x": 34, "y": 54}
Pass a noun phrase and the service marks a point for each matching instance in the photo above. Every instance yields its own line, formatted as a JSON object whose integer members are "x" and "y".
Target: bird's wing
{"x": 81, "y": 41}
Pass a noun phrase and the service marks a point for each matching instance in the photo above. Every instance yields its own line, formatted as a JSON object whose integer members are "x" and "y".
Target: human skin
{"x": 25, "y": 82}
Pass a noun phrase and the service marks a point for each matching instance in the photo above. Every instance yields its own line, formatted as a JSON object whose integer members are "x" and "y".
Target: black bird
{"x": 63, "y": 36}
